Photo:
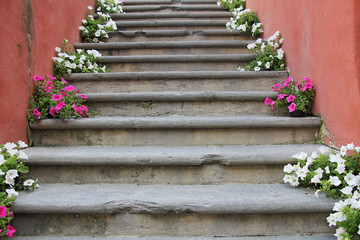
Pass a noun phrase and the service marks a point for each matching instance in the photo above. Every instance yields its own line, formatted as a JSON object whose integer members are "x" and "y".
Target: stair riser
{"x": 177, "y": 175}
{"x": 149, "y": 108}
{"x": 176, "y": 51}
{"x": 141, "y": 37}
{"x": 171, "y": 225}
{"x": 182, "y": 85}
{"x": 173, "y": 137}
{"x": 177, "y": 66}
{"x": 171, "y": 8}
{"x": 172, "y": 27}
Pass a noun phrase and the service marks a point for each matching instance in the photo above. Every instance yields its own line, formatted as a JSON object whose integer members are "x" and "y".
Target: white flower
{"x": 82, "y": 28}
{"x": 335, "y": 158}
{"x": 90, "y": 8}
{"x": 12, "y": 152}
{"x": 318, "y": 176}
{"x": 97, "y": 33}
{"x": 259, "y": 63}
{"x": 57, "y": 59}
{"x": 288, "y": 168}
{"x": 84, "y": 21}
{"x": 347, "y": 190}
{"x": 10, "y": 146}
{"x": 327, "y": 170}
{"x": 259, "y": 40}
{"x": 280, "y": 53}
{"x": 22, "y": 155}
{"x": 287, "y": 178}
{"x": 11, "y": 192}
{"x": 242, "y": 27}
{"x": 340, "y": 168}
{"x": 1, "y": 172}
{"x": 256, "y": 69}
{"x": 9, "y": 180}
{"x": 314, "y": 155}
{"x": 301, "y": 172}
{"x": 309, "y": 161}
{"x": 28, "y": 183}
{"x": 358, "y": 232}
{"x": 12, "y": 173}
{"x": 57, "y": 49}
{"x": 300, "y": 156}
{"x": 339, "y": 206}
{"x": 334, "y": 180}
{"x": 294, "y": 181}
{"x": 72, "y": 57}
{"x": 338, "y": 233}
{"x": 2, "y": 159}
{"x": 343, "y": 150}
{"x": 350, "y": 146}
{"x": 251, "y": 46}
{"x": 111, "y": 24}
{"x": 267, "y": 65}
{"x": 351, "y": 179}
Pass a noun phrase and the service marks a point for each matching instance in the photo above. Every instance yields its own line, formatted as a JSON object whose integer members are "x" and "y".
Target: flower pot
{"x": 297, "y": 113}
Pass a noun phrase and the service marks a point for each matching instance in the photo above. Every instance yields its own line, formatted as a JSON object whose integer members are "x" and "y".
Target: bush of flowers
{"x": 79, "y": 61}
{"x": 231, "y": 5}
{"x": 95, "y": 28}
{"x": 337, "y": 174}
{"x": 12, "y": 167}
{"x": 245, "y": 21}
{"x": 55, "y": 98}
{"x": 293, "y": 95}
{"x": 270, "y": 55}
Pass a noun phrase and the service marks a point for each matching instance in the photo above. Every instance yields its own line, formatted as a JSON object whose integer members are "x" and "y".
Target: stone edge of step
{"x": 141, "y": 2}
{"x": 167, "y": 156}
{"x": 179, "y": 96}
{"x": 163, "y": 44}
{"x": 297, "y": 237}
{"x": 176, "y": 75}
{"x": 116, "y": 16}
{"x": 170, "y": 23}
{"x": 176, "y": 33}
{"x": 178, "y": 122}
{"x": 135, "y": 8}
{"x": 172, "y": 199}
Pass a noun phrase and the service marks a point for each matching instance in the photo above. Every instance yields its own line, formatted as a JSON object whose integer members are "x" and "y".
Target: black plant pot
{"x": 297, "y": 113}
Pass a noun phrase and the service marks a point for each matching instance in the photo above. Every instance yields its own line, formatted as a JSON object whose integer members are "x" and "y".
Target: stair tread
{"x": 167, "y": 156}
{"x": 178, "y": 199}
{"x": 133, "y": 8}
{"x": 179, "y": 122}
{"x": 170, "y": 32}
{"x": 145, "y": 15}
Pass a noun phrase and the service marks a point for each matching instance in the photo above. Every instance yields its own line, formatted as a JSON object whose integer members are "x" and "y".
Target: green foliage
{"x": 231, "y": 5}
{"x": 245, "y": 21}
{"x": 109, "y": 6}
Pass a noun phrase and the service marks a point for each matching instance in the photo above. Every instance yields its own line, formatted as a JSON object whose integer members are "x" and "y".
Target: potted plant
{"x": 296, "y": 97}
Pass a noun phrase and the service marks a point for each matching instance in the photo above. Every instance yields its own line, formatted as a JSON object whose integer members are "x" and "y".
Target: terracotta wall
{"x": 322, "y": 43}
{"x": 30, "y": 31}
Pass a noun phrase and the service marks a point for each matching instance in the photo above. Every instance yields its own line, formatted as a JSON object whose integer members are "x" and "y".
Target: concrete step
{"x": 185, "y": 81}
{"x": 181, "y": 103}
{"x": 168, "y": 47}
{"x": 162, "y": 165}
{"x": 172, "y": 7}
{"x": 172, "y": 15}
{"x": 295, "y": 237}
{"x": 175, "y": 35}
{"x": 175, "y": 210}
{"x": 208, "y": 62}
{"x": 175, "y": 131}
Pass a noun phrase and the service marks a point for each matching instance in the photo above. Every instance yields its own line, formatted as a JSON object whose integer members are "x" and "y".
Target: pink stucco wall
{"x": 322, "y": 43}
{"x": 31, "y": 29}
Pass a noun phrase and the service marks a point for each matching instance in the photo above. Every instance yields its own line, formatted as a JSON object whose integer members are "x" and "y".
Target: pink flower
{"x": 84, "y": 108}
{"x": 64, "y": 94}
{"x": 292, "y": 107}
{"x": 3, "y": 212}
{"x": 276, "y": 87}
{"x": 48, "y": 89}
{"x": 11, "y": 214}
{"x": 290, "y": 98}
{"x": 38, "y": 78}
{"x": 53, "y": 111}
{"x": 10, "y": 231}
{"x": 56, "y": 97}
{"x": 69, "y": 88}
{"x": 77, "y": 109}
{"x": 37, "y": 113}
{"x": 59, "y": 106}
{"x": 281, "y": 96}
{"x": 273, "y": 104}
{"x": 307, "y": 80}
{"x": 83, "y": 96}
{"x": 287, "y": 81}
{"x": 50, "y": 77}
{"x": 63, "y": 81}
{"x": 267, "y": 101}
{"x": 297, "y": 84}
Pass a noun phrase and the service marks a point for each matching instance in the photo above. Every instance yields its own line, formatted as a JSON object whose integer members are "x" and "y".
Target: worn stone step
{"x": 175, "y": 210}
{"x": 192, "y": 62}
{"x": 162, "y": 165}
{"x": 175, "y": 35}
{"x": 184, "y": 81}
{"x": 168, "y": 47}
{"x": 172, "y": 15}
{"x": 181, "y": 103}
{"x": 172, "y": 7}
{"x": 142, "y": 2}
{"x": 176, "y": 130}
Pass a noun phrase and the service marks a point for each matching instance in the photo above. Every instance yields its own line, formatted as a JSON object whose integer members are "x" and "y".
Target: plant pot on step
{"x": 297, "y": 113}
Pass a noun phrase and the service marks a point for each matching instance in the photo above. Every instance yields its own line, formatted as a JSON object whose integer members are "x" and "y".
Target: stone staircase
{"x": 183, "y": 146}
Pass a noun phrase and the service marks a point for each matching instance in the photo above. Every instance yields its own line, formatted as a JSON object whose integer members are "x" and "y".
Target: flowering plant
{"x": 245, "y": 21}
{"x": 231, "y": 5}
{"x": 293, "y": 95}
{"x": 337, "y": 174}
{"x": 12, "y": 167}
{"x": 270, "y": 55}
{"x": 79, "y": 61}
{"x": 54, "y": 98}
{"x": 93, "y": 29}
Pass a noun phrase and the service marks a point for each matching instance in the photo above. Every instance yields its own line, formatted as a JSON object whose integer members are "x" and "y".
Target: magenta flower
{"x": 53, "y": 110}
{"x": 56, "y": 97}
{"x": 276, "y": 86}
{"x": 273, "y": 104}
{"x": 38, "y": 78}
{"x": 64, "y": 94}
{"x": 69, "y": 88}
{"x": 292, "y": 107}
{"x": 267, "y": 101}
{"x": 63, "y": 81}
{"x": 36, "y": 113}
{"x": 50, "y": 77}
{"x": 77, "y": 109}
{"x": 84, "y": 108}
{"x": 11, "y": 214}
{"x": 10, "y": 231}
{"x": 83, "y": 96}
{"x": 281, "y": 96}
{"x": 60, "y": 105}
{"x": 290, "y": 98}
{"x": 3, "y": 211}
{"x": 48, "y": 89}
{"x": 307, "y": 80}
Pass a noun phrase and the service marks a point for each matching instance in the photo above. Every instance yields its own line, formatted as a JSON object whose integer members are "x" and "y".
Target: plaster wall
{"x": 322, "y": 43}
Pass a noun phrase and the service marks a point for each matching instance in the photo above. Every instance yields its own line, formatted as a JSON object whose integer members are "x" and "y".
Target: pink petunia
{"x": 281, "y": 96}
{"x": 276, "y": 87}
{"x": 3, "y": 211}
{"x": 50, "y": 77}
{"x": 292, "y": 107}
{"x": 77, "y": 109}
{"x": 307, "y": 80}
{"x": 36, "y": 113}
{"x": 63, "y": 81}
{"x": 69, "y": 88}
{"x": 64, "y": 94}
{"x": 11, "y": 214}
{"x": 38, "y": 78}
{"x": 60, "y": 105}
{"x": 10, "y": 231}
{"x": 290, "y": 98}
{"x": 53, "y": 110}
{"x": 267, "y": 101}
{"x": 48, "y": 89}
{"x": 84, "y": 108}
{"x": 56, "y": 97}
{"x": 83, "y": 96}
{"x": 273, "y": 104}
